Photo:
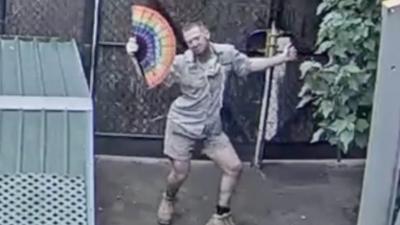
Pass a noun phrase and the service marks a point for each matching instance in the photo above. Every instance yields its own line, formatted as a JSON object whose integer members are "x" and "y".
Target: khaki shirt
{"x": 197, "y": 111}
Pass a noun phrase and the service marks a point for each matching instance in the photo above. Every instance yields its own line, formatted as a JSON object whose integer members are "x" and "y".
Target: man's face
{"x": 197, "y": 39}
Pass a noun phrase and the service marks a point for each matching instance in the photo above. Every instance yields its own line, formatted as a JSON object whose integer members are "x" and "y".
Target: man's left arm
{"x": 244, "y": 65}
{"x": 263, "y": 63}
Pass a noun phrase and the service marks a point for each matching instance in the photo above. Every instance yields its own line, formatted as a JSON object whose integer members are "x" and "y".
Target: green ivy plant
{"x": 341, "y": 89}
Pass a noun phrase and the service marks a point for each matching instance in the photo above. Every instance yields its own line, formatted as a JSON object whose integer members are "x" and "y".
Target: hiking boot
{"x": 166, "y": 210}
{"x": 224, "y": 219}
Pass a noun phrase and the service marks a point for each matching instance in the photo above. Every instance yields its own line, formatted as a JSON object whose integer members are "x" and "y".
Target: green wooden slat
{"x": 78, "y": 142}
{"x": 30, "y": 71}
{"x": 19, "y": 140}
{"x": 43, "y": 137}
{"x": 1, "y": 68}
{"x": 30, "y": 66}
{"x": 9, "y": 145}
{"x": 52, "y": 74}
{"x": 54, "y": 157}
{"x": 31, "y": 161}
{"x": 72, "y": 70}
{"x": 65, "y": 143}
{"x": 9, "y": 68}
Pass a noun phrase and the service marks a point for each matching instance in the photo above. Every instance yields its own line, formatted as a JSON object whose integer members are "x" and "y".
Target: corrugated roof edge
{"x": 37, "y": 38}
{"x": 81, "y": 67}
{"x": 51, "y": 39}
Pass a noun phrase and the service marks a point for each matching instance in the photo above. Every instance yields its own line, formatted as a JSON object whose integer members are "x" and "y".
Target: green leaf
{"x": 365, "y": 31}
{"x": 317, "y": 135}
{"x": 319, "y": 86}
{"x": 353, "y": 104}
{"x": 343, "y": 87}
{"x": 351, "y": 118}
{"x": 370, "y": 44}
{"x": 351, "y": 126}
{"x": 332, "y": 16}
{"x": 304, "y": 90}
{"x": 362, "y": 78}
{"x": 361, "y": 140}
{"x": 338, "y": 126}
{"x": 343, "y": 4}
{"x": 353, "y": 84}
{"x": 340, "y": 77}
{"x": 332, "y": 68}
{"x": 333, "y": 140}
{"x": 323, "y": 124}
{"x": 327, "y": 108}
{"x": 304, "y": 101}
{"x": 371, "y": 65}
{"x": 343, "y": 110}
{"x": 362, "y": 125}
{"x": 324, "y": 46}
{"x": 352, "y": 68}
{"x": 306, "y": 66}
{"x": 340, "y": 52}
{"x": 322, "y": 7}
{"x": 366, "y": 98}
{"x": 346, "y": 137}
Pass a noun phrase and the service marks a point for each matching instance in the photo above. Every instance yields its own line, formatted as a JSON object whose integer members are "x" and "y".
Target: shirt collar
{"x": 189, "y": 56}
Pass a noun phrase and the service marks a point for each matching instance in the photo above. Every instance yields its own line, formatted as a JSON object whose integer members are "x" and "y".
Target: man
{"x": 195, "y": 116}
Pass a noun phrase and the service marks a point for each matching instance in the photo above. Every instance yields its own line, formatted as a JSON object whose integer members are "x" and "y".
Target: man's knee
{"x": 181, "y": 169}
{"x": 234, "y": 168}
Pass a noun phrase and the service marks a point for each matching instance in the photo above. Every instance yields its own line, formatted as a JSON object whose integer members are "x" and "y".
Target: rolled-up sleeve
{"x": 240, "y": 63}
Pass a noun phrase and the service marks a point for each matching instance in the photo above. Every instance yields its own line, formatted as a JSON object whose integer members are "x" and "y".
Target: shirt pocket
{"x": 193, "y": 83}
{"x": 194, "y": 77}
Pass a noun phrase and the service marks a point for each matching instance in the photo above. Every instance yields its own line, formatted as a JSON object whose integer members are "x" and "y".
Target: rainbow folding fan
{"x": 157, "y": 44}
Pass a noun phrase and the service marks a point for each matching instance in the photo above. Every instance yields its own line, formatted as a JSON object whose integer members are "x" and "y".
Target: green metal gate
{"x": 46, "y": 134}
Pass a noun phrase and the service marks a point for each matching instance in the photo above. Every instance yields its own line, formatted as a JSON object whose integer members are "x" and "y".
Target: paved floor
{"x": 284, "y": 194}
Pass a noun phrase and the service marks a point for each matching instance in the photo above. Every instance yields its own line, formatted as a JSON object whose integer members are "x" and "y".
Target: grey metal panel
{"x": 381, "y": 173}
{"x": 33, "y": 66}
{"x": 79, "y": 137}
{"x": 8, "y": 141}
{"x": 30, "y": 103}
{"x": 56, "y": 133}
{"x": 10, "y": 69}
{"x": 53, "y": 76}
{"x": 44, "y": 141}
{"x": 31, "y": 142}
{"x": 46, "y": 133}
{"x": 73, "y": 70}
{"x": 31, "y": 71}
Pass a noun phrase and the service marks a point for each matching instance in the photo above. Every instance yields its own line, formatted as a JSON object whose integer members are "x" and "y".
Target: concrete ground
{"x": 282, "y": 194}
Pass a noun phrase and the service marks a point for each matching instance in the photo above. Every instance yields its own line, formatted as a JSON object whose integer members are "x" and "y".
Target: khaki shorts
{"x": 180, "y": 147}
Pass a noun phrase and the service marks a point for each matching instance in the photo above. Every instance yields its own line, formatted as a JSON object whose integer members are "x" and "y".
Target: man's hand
{"x": 131, "y": 46}
{"x": 259, "y": 64}
{"x": 289, "y": 53}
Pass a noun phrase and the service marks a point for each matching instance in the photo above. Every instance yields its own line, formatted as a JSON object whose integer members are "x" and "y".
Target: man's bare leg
{"x": 177, "y": 176}
{"x": 231, "y": 167}
{"x": 221, "y": 151}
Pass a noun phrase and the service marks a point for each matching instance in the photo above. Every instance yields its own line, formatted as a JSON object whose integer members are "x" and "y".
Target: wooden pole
{"x": 270, "y": 50}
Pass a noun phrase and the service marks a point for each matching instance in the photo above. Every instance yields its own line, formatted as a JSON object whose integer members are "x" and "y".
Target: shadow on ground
{"x": 283, "y": 194}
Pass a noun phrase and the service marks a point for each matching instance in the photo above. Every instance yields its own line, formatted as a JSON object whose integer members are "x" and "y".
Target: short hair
{"x": 189, "y": 25}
